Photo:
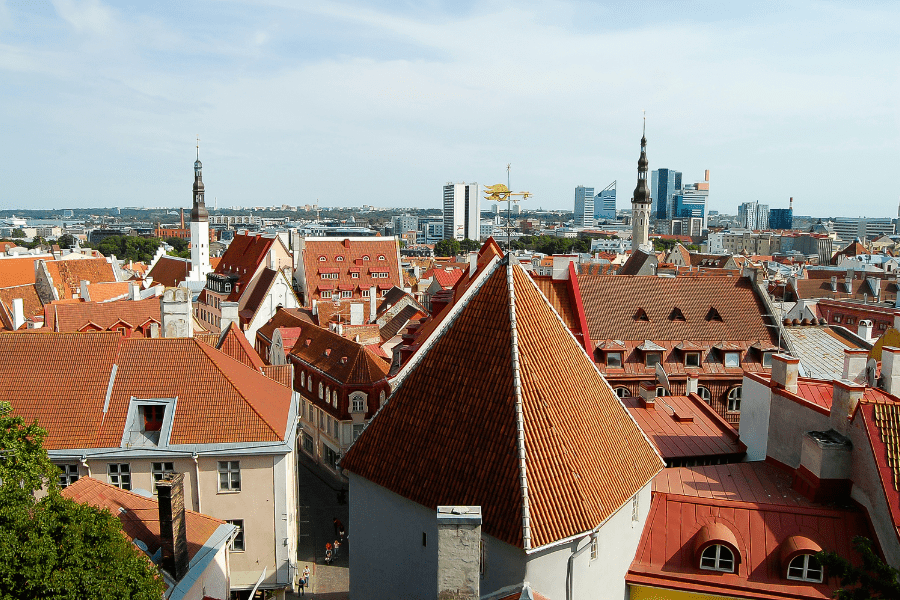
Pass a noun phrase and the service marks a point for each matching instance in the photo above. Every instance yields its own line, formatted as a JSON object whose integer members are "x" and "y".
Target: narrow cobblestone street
{"x": 318, "y": 506}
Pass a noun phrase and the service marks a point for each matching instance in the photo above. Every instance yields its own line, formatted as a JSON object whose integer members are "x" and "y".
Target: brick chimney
{"x": 844, "y": 398}
{"x": 785, "y": 370}
{"x": 890, "y": 369}
{"x": 855, "y": 364}
{"x": 648, "y": 393}
{"x": 459, "y": 552}
{"x": 172, "y": 526}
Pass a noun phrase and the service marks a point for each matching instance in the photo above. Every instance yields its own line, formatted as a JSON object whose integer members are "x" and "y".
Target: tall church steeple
{"x": 199, "y": 226}
{"x": 640, "y": 202}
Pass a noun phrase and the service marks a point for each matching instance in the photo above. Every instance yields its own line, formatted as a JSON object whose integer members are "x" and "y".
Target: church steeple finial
{"x": 198, "y": 212}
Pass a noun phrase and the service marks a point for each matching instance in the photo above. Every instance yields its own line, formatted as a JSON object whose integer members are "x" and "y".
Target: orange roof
{"x": 75, "y": 316}
{"x": 321, "y": 256}
{"x": 456, "y": 443}
{"x": 18, "y": 271}
{"x": 31, "y": 303}
{"x": 234, "y": 343}
{"x": 170, "y": 270}
{"x": 67, "y": 275}
{"x": 220, "y": 400}
{"x": 284, "y": 317}
{"x": 242, "y": 258}
{"x": 140, "y": 517}
{"x": 104, "y": 292}
{"x": 343, "y": 360}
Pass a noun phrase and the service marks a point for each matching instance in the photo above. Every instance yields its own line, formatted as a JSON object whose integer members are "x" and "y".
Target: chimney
{"x": 83, "y": 290}
{"x": 834, "y": 283}
{"x": 824, "y": 471}
{"x": 693, "y": 384}
{"x": 176, "y": 314}
{"x": 473, "y": 263}
{"x": 315, "y": 307}
{"x": 356, "y": 313}
{"x": 875, "y": 286}
{"x": 459, "y": 552}
{"x": 229, "y": 315}
{"x": 864, "y": 329}
{"x": 785, "y": 370}
{"x": 845, "y": 396}
{"x": 848, "y": 282}
{"x": 172, "y": 527}
{"x": 18, "y": 313}
{"x": 373, "y": 294}
{"x": 648, "y": 393}
{"x": 890, "y": 369}
{"x": 706, "y": 176}
{"x": 134, "y": 290}
{"x": 855, "y": 364}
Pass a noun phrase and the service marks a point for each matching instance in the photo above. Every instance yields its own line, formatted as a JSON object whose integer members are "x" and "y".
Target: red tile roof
{"x": 75, "y": 316}
{"x": 140, "y": 517}
{"x": 445, "y": 279}
{"x": 557, "y": 293}
{"x": 170, "y": 271}
{"x": 341, "y": 359}
{"x": 360, "y": 255}
{"x": 285, "y": 317}
{"x": 31, "y": 303}
{"x": 456, "y": 442}
{"x": 18, "y": 271}
{"x": 67, "y": 275}
{"x": 611, "y": 303}
{"x": 234, "y": 343}
{"x": 685, "y": 427}
{"x": 754, "y": 506}
{"x": 104, "y": 292}
{"x": 220, "y": 400}
{"x": 882, "y": 426}
{"x": 243, "y": 257}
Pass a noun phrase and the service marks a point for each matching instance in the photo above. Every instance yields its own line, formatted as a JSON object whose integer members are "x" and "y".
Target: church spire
{"x": 640, "y": 202}
{"x": 198, "y": 212}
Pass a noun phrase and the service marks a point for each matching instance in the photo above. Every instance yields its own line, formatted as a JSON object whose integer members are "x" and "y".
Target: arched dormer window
{"x": 381, "y": 257}
{"x": 805, "y": 567}
{"x": 339, "y": 259}
{"x": 798, "y": 559}
{"x": 322, "y": 259}
{"x": 622, "y": 392}
{"x": 365, "y": 257}
{"x": 716, "y": 548}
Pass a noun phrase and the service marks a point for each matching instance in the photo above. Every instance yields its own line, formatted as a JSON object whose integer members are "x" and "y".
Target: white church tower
{"x": 199, "y": 227}
{"x": 640, "y": 203}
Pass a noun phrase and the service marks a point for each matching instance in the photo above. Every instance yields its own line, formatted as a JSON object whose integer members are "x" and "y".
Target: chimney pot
{"x": 172, "y": 526}
{"x": 648, "y": 393}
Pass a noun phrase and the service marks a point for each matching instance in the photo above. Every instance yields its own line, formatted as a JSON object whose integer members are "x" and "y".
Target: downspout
{"x": 196, "y": 458}
{"x": 569, "y": 568}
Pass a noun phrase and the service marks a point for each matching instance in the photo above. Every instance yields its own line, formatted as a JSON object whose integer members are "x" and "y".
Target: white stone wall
{"x": 756, "y": 400}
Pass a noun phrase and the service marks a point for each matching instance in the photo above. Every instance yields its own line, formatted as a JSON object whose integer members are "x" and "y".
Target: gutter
{"x": 570, "y": 576}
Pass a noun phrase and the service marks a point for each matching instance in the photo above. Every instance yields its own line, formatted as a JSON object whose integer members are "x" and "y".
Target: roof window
{"x": 713, "y": 315}
{"x": 641, "y": 315}
{"x": 798, "y": 559}
{"x": 677, "y": 315}
{"x": 339, "y": 259}
{"x": 716, "y": 548}
{"x": 381, "y": 257}
{"x": 322, "y": 259}
{"x": 365, "y": 257}
{"x": 148, "y": 422}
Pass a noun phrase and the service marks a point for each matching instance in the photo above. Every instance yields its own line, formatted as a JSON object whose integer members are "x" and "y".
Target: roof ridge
{"x": 520, "y": 417}
{"x": 203, "y": 347}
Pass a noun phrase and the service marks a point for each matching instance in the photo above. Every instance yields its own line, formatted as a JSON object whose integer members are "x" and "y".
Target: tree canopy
{"x": 55, "y": 547}
{"x": 127, "y": 247}
{"x": 447, "y": 248}
{"x": 872, "y": 579}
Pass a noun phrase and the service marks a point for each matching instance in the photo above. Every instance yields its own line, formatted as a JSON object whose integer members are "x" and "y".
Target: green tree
{"x": 468, "y": 245}
{"x": 447, "y": 248}
{"x": 66, "y": 241}
{"x": 55, "y": 547}
{"x": 872, "y": 579}
{"x": 17, "y": 233}
{"x": 127, "y": 247}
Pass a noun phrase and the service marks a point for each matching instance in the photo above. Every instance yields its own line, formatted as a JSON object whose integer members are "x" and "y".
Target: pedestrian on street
{"x": 337, "y": 546}
{"x": 338, "y": 527}
{"x": 306, "y": 576}
{"x": 328, "y": 554}
{"x": 302, "y": 585}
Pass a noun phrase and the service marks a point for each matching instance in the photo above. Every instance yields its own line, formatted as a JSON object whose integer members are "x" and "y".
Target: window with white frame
{"x": 358, "y": 402}
{"x": 717, "y": 558}
{"x": 661, "y": 391}
{"x": 339, "y": 259}
{"x": 805, "y": 567}
{"x": 635, "y": 507}
{"x": 68, "y": 474}
{"x": 595, "y": 547}
{"x": 229, "y": 475}
{"x": 321, "y": 390}
{"x": 623, "y": 392}
{"x": 380, "y": 257}
{"x": 365, "y": 293}
{"x": 322, "y": 259}
{"x": 325, "y": 294}
{"x": 346, "y": 293}
{"x": 237, "y": 544}
{"x": 705, "y": 394}
{"x": 734, "y": 399}
{"x": 732, "y": 359}
{"x": 119, "y": 475}
{"x": 160, "y": 470}
{"x": 652, "y": 359}
{"x": 354, "y": 275}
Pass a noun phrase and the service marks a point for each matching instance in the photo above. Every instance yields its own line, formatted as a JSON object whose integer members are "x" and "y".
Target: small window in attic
{"x": 713, "y": 315}
{"x": 641, "y": 315}
{"x": 677, "y": 315}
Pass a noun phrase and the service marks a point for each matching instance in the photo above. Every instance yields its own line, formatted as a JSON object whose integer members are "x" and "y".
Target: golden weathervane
{"x": 501, "y": 193}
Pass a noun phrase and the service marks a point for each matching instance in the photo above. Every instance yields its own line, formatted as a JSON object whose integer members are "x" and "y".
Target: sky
{"x": 345, "y": 103}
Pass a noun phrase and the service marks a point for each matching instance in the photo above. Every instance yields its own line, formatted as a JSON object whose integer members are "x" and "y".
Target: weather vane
{"x": 501, "y": 193}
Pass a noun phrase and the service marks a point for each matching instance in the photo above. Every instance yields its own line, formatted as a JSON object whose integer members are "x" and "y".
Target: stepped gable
{"x": 612, "y": 301}
{"x": 503, "y": 362}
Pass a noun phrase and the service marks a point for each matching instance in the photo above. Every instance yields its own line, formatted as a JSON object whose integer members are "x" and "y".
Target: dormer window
{"x": 767, "y": 359}
{"x": 365, "y": 257}
{"x": 152, "y": 415}
{"x": 323, "y": 259}
{"x": 717, "y": 558}
{"x": 613, "y": 360}
{"x": 713, "y": 315}
{"x": 805, "y": 567}
{"x": 692, "y": 360}
{"x": 651, "y": 359}
{"x": 641, "y": 315}
{"x": 339, "y": 259}
{"x": 732, "y": 359}
{"x": 677, "y": 315}
{"x": 380, "y": 257}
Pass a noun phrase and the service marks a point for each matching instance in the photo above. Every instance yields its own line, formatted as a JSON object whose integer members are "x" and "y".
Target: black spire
{"x": 198, "y": 212}
{"x": 642, "y": 191}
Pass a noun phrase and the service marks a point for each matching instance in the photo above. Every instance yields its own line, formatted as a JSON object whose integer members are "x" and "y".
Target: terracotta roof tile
{"x": 104, "y": 292}
{"x": 31, "y": 303}
{"x": 343, "y": 360}
{"x": 74, "y": 316}
{"x": 285, "y": 317}
{"x": 67, "y": 275}
{"x": 140, "y": 517}
{"x": 170, "y": 271}
{"x": 18, "y": 271}
{"x": 348, "y": 255}
{"x": 455, "y": 443}
{"x": 234, "y": 343}
{"x": 557, "y": 293}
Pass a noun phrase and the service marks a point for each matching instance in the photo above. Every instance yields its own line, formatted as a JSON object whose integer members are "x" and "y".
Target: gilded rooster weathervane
{"x": 501, "y": 193}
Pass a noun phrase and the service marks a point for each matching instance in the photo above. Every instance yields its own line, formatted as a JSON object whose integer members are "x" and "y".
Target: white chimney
{"x": 229, "y": 315}
{"x": 315, "y": 307}
{"x": 459, "y": 552}
{"x": 855, "y": 364}
{"x": 373, "y": 294}
{"x": 473, "y": 263}
{"x": 785, "y": 370}
{"x": 84, "y": 290}
{"x": 844, "y": 398}
{"x": 356, "y": 313}
{"x": 693, "y": 384}
{"x": 864, "y": 329}
{"x": 648, "y": 393}
{"x": 834, "y": 283}
{"x": 135, "y": 290}
{"x": 176, "y": 314}
{"x": 18, "y": 312}
{"x": 890, "y": 369}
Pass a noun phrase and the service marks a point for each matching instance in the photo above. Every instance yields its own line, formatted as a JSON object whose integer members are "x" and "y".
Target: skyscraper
{"x": 605, "y": 203}
{"x": 753, "y": 215}
{"x": 462, "y": 211}
{"x": 584, "y": 206}
{"x": 664, "y": 184}
{"x": 640, "y": 202}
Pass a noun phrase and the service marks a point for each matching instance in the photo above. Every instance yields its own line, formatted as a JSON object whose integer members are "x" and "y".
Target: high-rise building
{"x": 781, "y": 218}
{"x": 691, "y": 202}
{"x": 605, "y": 203}
{"x": 462, "y": 211}
{"x": 584, "y": 206}
{"x": 403, "y": 223}
{"x": 664, "y": 184}
{"x": 640, "y": 202}
{"x": 753, "y": 215}
{"x": 850, "y": 228}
